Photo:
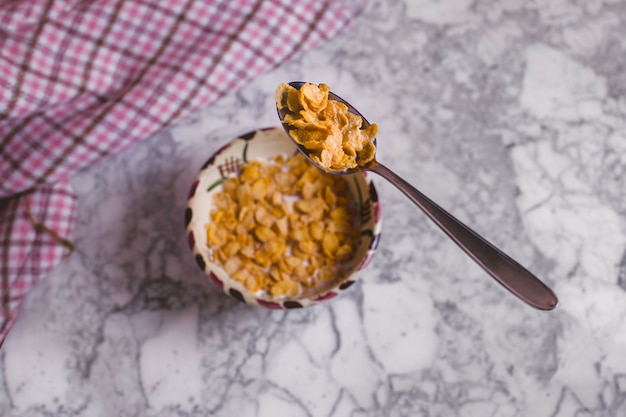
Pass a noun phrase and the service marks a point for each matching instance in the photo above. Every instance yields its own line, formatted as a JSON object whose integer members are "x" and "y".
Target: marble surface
{"x": 509, "y": 114}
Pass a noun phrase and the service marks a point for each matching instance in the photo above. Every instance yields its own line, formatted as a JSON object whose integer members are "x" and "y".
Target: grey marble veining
{"x": 509, "y": 114}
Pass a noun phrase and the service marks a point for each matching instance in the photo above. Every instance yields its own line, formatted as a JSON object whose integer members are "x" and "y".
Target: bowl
{"x": 262, "y": 145}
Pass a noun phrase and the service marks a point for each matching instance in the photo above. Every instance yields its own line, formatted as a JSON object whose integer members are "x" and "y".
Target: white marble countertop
{"x": 512, "y": 115}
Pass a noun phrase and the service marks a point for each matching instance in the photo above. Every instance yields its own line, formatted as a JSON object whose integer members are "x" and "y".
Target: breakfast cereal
{"x": 333, "y": 136}
{"x": 283, "y": 226}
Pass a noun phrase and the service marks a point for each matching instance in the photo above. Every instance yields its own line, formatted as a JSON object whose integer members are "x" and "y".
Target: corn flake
{"x": 282, "y": 226}
{"x": 335, "y": 137}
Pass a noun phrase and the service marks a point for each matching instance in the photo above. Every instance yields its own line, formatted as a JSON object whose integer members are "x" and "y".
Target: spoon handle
{"x": 499, "y": 265}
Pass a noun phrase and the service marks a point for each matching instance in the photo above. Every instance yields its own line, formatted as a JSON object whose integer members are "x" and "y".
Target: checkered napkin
{"x": 82, "y": 79}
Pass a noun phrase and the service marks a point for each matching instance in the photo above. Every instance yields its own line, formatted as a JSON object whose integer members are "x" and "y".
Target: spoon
{"x": 496, "y": 263}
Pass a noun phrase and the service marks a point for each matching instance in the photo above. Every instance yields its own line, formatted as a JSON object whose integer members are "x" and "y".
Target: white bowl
{"x": 262, "y": 145}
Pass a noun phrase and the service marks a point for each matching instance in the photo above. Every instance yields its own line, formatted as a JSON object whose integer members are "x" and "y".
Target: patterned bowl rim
{"x": 227, "y": 164}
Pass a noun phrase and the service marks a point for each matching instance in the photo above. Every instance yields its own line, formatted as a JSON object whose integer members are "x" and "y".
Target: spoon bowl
{"x": 281, "y": 115}
{"x": 504, "y": 269}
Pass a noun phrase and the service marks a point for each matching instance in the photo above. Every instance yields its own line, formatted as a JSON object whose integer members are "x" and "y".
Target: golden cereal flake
{"x": 333, "y": 136}
{"x": 279, "y": 248}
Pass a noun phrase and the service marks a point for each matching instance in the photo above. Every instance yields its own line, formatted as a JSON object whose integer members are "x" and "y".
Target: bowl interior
{"x": 225, "y": 163}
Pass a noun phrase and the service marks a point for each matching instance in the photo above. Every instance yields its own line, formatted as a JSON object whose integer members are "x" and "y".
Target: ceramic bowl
{"x": 226, "y": 162}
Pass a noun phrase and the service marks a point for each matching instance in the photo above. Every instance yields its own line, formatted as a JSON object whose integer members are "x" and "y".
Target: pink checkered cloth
{"x": 82, "y": 79}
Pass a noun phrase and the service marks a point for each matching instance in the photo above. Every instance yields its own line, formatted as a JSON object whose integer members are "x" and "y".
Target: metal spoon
{"x": 499, "y": 265}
